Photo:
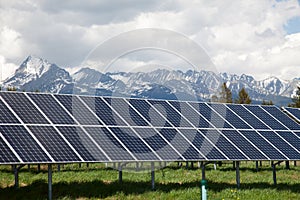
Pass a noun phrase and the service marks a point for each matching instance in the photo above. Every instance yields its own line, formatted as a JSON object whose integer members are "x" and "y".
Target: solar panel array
{"x": 48, "y": 128}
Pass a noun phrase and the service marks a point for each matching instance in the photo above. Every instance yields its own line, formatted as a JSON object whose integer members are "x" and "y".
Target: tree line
{"x": 225, "y": 96}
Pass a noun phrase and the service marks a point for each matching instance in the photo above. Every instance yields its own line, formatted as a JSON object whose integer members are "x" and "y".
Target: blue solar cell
{"x": 109, "y": 144}
{"x": 224, "y": 145}
{"x": 24, "y": 108}
{"x": 202, "y": 144}
{"x": 103, "y": 111}
{"x": 79, "y": 111}
{"x": 127, "y": 113}
{"x": 182, "y": 145}
{"x": 291, "y": 138}
{"x": 158, "y": 144}
{"x": 283, "y": 118}
{"x": 134, "y": 144}
{"x": 24, "y": 145}
{"x": 6, "y": 116}
{"x": 190, "y": 114}
{"x": 51, "y": 108}
{"x": 267, "y": 119}
{"x": 210, "y": 115}
{"x": 295, "y": 112}
{"x": 244, "y": 145}
{"x": 82, "y": 143}
{"x": 285, "y": 148}
{"x": 149, "y": 113}
{"x": 54, "y": 144}
{"x": 227, "y": 114}
{"x": 172, "y": 115}
{"x": 6, "y": 155}
{"x": 241, "y": 111}
{"x": 263, "y": 145}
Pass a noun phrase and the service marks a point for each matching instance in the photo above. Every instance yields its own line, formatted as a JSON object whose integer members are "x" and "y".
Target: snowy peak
{"x": 34, "y": 66}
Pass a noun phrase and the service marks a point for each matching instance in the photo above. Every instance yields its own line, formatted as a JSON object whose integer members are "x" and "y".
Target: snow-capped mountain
{"x": 38, "y": 74}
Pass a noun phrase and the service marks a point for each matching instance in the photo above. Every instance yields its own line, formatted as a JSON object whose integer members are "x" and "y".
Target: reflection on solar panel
{"x": 46, "y": 128}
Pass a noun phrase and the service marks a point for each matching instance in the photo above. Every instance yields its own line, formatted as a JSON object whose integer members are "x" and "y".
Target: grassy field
{"x": 97, "y": 182}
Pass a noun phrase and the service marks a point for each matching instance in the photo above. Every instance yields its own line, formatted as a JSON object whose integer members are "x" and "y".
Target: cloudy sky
{"x": 257, "y": 37}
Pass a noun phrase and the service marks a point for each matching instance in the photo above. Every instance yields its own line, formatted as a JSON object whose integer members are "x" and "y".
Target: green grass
{"x": 97, "y": 182}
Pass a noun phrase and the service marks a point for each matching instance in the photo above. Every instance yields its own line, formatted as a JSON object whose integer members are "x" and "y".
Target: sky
{"x": 258, "y": 37}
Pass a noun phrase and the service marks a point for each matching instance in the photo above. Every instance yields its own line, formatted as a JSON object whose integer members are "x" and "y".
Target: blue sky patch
{"x": 293, "y": 25}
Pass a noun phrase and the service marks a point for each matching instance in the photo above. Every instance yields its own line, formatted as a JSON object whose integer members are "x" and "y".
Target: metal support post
{"x": 295, "y": 163}
{"x": 287, "y": 164}
{"x": 87, "y": 165}
{"x": 29, "y": 168}
{"x": 233, "y": 164}
{"x": 238, "y": 174}
{"x": 274, "y": 172}
{"x": 192, "y": 165}
{"x": 58, "y": 167}
{"x": 16, "y": 173}
{"x": 120, "y": 173}
{"x": 152, "y": 176}
{"x": 49, "y": 182}
{"x": 39, "y": 168}
{"x": 256, "y": 165}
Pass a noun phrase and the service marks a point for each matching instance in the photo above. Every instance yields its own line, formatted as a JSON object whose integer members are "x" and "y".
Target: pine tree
{"x": 296, "y": 99}
{"x": 243, "y": 97}
{"x": 225, "y": 94}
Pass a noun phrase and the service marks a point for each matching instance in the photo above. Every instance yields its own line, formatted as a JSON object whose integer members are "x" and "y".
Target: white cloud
{"x": 240, "y": 36}
{"x": 6, "y": 69}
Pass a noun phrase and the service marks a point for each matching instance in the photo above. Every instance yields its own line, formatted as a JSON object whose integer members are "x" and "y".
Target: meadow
{"x": 172, "y": 182}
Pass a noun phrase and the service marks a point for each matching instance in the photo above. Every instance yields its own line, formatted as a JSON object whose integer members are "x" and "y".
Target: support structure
{"x": 16, "y": 173}
{"x": 287, "y": 164}
{"x": 120, "y": 173}
{"x": 152, "y": 176}
{"x": 49, "y": 182}
{"x": 238, "y": 174}
{"x": 256, "y": 165}
{"x": 274, "y": 171}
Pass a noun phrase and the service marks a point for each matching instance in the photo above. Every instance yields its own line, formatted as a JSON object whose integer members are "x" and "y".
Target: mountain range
{"x": 38, "y": 74}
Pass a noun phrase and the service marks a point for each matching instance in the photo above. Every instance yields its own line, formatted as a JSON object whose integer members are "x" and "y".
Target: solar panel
{"x": 280, "y": 116}
{"x": 51, "y": 108}
{"x": 23, "y": 108}
{"x": 6, "y": 116}
{"x": 265, "y": 117}
{"x": 24, "y": 145}
{"x": 295, "y": 112}
{"x": 79, "y": 111}
{"x": 103, "y": 111}
{"x": 210, "y": 115}
{"x": 6, "y": 155}
{"x": 54, "y": 144}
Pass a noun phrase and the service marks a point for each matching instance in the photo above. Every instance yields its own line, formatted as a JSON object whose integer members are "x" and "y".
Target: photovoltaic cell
{"x": 247, "y": 116}
{"x": 291, "y": 138}
{"x": 295, "y": 112}
{"x": 82, "y": 143}
{"x": 283, "y": 118}
{"x": 103, "y": 111}
{"x": 263, "y": 145}
{"x": 267, "y": 119}
{"x": 51, "y": 108}
{"x": 224, "y": 145}
{"x": 24, "y": 108}
{"x": 79, "y": 111}
{"x": 127, "y": 112}
{"x": 281, "y": 145}
{"x": 244, "y": 144}
{"x": 227, "y": 114}
{"x": 109, "y": 144}
{"x": 202, "y": 144}
{"x": 134, "y": 144}
{"x": 6, "y": 155}
{"x": 158, "y": 144}
{"x": 24, "y": 145}
{"x": 172, "y": 115}
{"x": 54, "y": 144}
{"x": 147, "y": 111}
{"x": 6, "y": 116}
{"x": 210, "y": 115}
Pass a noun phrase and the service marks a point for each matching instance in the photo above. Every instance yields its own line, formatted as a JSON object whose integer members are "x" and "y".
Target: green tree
{"x": 243, "y": 97}
{"x": 267, "y": 102}
{"x": 296, "y": 99}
